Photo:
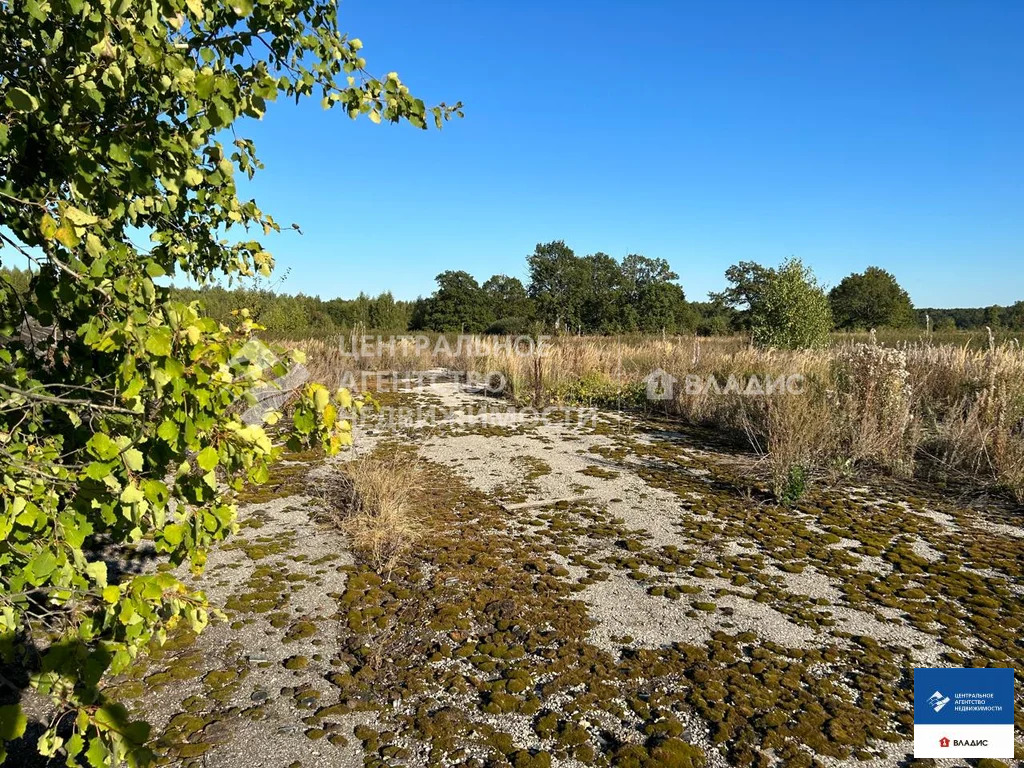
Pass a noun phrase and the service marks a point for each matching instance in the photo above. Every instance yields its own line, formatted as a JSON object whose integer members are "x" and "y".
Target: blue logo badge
{"x": 963, "y": 696}
{"x": 963, "y": 713}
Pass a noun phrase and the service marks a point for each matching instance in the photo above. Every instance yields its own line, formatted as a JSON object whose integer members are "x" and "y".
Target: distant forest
{"x": 593, "y": 294}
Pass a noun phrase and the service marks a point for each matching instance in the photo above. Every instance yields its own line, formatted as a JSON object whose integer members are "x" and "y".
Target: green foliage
{"x": 556, "y": 285}
{"x": 789, "y": 310}
{"x": 506, "y": 297}
{"x": 510, "y": 326}
{"x": 298, "y": 315}
{"x": 746, "y": 286}
{"x": 459, "y": 304}
{"x": 1009, "y": 318}
{"x": 871, "y": 299}
{"x": 793, "y": 488}
{"x": 653, "y": 300}
{"x": 597, "y": 294}
{"x": 713, "y": 318}
{"x": 118, "y": 419}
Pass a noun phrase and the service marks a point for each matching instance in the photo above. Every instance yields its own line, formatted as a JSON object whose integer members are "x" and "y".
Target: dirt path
{"x": 656, "y": 612}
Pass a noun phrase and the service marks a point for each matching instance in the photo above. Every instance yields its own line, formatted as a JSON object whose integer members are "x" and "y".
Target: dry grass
{"x": 899, "y": 407}
{"x": 371, "y": 501}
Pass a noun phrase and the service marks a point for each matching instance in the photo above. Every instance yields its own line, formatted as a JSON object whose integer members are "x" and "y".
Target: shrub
{"x": 117, "y": 420}
{"x": 510, "y": 326}
{"x": 791, "y": 311}
{"x": 371, "y": 501}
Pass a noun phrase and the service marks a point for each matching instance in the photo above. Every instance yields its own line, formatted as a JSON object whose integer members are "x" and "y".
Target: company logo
{"x": 938, "y": 701}
{"x": 963, "y": 712}
{"x": 660, "y": 385}
{"x": 267, "y": 394}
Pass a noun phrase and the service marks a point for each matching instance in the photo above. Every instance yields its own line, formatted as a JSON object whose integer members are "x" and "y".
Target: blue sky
{"x": 846, "y": 133}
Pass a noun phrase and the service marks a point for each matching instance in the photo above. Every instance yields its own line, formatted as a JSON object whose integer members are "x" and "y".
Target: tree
{"x": 600, "y": 283}
{"x": 653, "y": 298}
{"x": 117, "y": 414}
{"x": 747, "y": 280}
{"x": 713, "y": 318}
{"x": 790, "y": 310}
{"x": 1014, "y": 316}
{"x": 871, "y": 299}
{"x": 507, "y": 298}
{"x": 459, "y": 304}
{"x": 556, "y": 284}
{"x": 995, "y": 316}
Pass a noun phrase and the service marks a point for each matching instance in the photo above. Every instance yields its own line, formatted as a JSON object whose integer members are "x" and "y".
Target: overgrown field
{"x": 951, "y": 412}
{"x": 623, "y": 592}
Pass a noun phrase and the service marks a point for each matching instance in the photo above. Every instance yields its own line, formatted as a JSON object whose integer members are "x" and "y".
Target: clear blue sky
{"x": 846, "y": 133}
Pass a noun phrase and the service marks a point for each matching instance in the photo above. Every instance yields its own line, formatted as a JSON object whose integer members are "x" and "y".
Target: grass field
{"x": 950, "y": 411}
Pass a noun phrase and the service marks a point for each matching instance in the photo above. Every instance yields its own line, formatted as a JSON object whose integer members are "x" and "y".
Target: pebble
{"x": 259, "y": 695}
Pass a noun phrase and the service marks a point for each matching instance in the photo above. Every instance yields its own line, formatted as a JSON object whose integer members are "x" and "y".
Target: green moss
{"x": 525, "y": 759}
{"x": 676, "y": 753}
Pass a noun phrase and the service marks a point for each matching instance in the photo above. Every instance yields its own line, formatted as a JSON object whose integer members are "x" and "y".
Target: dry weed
{"x": 371, "y": 499}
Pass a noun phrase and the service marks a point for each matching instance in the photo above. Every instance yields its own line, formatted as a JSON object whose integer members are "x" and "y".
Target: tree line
{"x": 592, "y": 294}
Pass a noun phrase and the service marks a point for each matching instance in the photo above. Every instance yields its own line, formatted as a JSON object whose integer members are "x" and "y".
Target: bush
{"x": 791, "y": 310}
{"x": 371, "y": 501}
{"x": 510, "y": 326}
{"x": 118, "y": 426}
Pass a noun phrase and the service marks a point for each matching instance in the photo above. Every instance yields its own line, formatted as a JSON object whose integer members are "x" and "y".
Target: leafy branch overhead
{"x": 119, "y": 406}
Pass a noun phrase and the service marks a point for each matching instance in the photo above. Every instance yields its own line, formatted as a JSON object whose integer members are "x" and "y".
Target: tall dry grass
{"x": 906, "y": 407}
{"x": 371, "y": 500}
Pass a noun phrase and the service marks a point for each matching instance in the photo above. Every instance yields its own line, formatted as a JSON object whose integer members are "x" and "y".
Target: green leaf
{"x": 66, "y": 236}
{"x": 158, "y": 342}
{"x": 48, "y": 227}
{"x": 97, "y": 571}
{"x": 12, "y": 722}
{"x": 102, "y": 447}
{"x": 173, "y": 534}
{"x": 74, "y": 746}
{"x": 132, "y": 494}
{"x": 156, "y": 491}
{"x": 208, "y": 458}
{"x": 78, "y": 217}
{"x": 21, "y": 100}
{"x": 97, "y": 753}
{"x": 168, "y": 431}
{"x": 98, "y": 470}
{"x": 133, "y": 459}
{"x": 42, "y": 565}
